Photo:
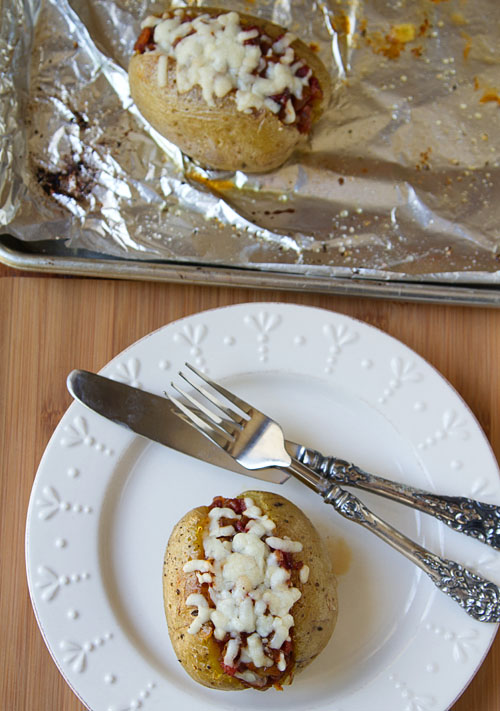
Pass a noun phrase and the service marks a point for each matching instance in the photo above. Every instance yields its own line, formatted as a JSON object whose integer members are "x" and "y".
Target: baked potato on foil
{"x": 250, "y": 597}
{"x": 234, "y": 92}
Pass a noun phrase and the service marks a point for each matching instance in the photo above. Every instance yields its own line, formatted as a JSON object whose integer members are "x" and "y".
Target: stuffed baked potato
{"x": 234, "y": 92}
{"x": 250, "y": 597}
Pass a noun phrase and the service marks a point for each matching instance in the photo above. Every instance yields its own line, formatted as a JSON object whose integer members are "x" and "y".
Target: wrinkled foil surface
{"x": 401, "y": 178}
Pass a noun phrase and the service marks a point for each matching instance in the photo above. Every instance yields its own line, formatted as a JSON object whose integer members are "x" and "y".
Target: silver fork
{"x": 256, "y": 442}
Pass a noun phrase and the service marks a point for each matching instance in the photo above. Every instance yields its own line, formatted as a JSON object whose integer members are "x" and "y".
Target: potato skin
{"x": 220, "y": 137}
{"x": 315, "y": 613}
{"x": 199, "y": 656}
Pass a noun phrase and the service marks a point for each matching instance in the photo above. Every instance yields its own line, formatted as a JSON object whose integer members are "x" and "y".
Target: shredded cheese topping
{"x": 218, "y": 55}
{"x": 250, "y": 595}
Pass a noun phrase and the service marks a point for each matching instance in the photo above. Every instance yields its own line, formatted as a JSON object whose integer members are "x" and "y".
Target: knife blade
{"x": 153, "y": 417}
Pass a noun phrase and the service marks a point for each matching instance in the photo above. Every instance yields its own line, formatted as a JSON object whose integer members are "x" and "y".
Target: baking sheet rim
{"x": 250, "y": 278}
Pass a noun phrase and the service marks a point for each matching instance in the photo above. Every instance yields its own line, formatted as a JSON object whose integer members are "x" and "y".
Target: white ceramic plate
{"x": 104, "y": 502}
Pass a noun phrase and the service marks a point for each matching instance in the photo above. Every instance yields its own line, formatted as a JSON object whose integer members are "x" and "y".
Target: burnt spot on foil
{"x": 75, "y": 181}
{"x": 81, "y": 120}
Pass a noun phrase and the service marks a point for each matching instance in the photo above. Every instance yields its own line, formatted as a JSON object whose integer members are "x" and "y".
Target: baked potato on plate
{"x": 250, "y": 597}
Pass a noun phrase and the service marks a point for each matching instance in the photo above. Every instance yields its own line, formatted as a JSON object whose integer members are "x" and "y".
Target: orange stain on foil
{"x": 342, "y": 24}
{"x": 392, "y": 44}
{"x": 217, "y": 185}
{"x": 491, "y": 95}
{"x": 468, "y": 44}
{"x": 423, "y": 163}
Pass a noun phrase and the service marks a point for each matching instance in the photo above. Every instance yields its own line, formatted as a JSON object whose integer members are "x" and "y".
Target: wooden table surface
{"x": 49, "y": 326}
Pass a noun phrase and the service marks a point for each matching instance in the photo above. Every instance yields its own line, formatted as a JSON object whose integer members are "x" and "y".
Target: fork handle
{"x": 474, "y": 518}
{"x": 480, "y": 598}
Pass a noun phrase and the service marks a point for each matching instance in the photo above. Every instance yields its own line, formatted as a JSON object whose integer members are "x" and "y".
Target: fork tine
{"x": 203, "y": 412}
{"x": 241, "y": 404}
{"x": 228, "y": 425}
{"x": 219, "y": 438}
{"x": 212, "y": 398}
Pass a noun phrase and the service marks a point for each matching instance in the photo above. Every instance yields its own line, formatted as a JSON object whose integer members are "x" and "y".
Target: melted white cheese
{"x": 247, "y": 676}
{"x": 304, "y": 574}
{"x": 203, "y": 566}
{"x": 211, "y": 52}
{"x": 233, "y": 647}
{"x": 204, "y": 578}
{"x": 250, "y": 592}
{"x": 284, "y": 544}
{"x": 215, "y": 549}
{"x": 199, "y": 601}
{"x": 255, "y": 651}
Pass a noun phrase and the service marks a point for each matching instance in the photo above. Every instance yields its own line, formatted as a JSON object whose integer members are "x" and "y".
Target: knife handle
{"x": 474, "y": 518}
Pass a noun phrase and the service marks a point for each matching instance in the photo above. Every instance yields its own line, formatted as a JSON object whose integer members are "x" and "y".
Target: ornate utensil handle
{"x": 474, "y": 518}
{"x": 480, "y": 598}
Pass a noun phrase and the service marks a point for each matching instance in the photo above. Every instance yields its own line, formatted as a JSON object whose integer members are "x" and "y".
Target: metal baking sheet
{"x": 399, "y": 184}
{"x": 43, "y": 257}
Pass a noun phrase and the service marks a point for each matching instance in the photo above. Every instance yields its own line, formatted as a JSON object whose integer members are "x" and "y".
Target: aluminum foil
{"x": 401, "y": 179}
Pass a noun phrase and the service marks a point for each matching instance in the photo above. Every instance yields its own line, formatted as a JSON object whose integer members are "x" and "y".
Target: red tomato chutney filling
{"x": 272, "y": 75}
{"x": 243, "y": 596}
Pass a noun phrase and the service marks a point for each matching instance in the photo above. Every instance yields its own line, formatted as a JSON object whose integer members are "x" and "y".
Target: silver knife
{"x": 153, "y": 416}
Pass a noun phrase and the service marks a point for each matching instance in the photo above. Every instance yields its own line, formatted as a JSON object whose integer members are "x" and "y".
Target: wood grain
{"x": 50, "y": 326}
